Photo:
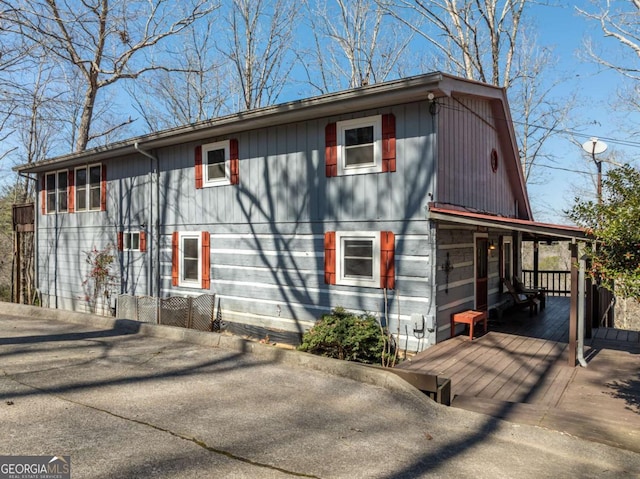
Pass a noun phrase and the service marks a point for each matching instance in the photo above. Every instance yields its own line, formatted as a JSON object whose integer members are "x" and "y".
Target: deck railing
{"x": 557, "y": 282}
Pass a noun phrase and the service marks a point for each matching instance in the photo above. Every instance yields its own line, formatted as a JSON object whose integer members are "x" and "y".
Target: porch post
{"x": 535, "y": 263}
{"x": 573, "y": 314}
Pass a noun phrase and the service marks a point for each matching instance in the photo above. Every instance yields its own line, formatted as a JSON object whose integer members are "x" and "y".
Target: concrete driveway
{"x": 133, "y": 402}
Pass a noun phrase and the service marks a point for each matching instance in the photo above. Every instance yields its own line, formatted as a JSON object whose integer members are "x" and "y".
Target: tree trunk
{"x": 87, "y": 114}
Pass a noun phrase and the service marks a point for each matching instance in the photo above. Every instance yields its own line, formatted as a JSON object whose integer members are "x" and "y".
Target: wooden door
{"x": 482, "y": 273}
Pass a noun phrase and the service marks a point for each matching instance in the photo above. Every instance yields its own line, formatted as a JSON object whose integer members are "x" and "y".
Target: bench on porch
{"x": 470, "y": 317}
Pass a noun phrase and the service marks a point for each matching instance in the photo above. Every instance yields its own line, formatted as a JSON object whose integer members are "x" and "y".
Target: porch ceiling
{"x": 531, "y": 230}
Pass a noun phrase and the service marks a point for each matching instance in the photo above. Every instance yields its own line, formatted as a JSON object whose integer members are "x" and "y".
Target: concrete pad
{"x": 123, "y": 403}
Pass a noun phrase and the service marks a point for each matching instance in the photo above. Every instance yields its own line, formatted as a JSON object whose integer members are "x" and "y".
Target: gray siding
{"x": 267, "y": 250}
{"x": 456, "y": 291}
{"x": 467, "y": 133}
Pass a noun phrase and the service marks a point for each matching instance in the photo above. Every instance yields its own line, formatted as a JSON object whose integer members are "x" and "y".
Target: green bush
{"x": 344, "y": 335}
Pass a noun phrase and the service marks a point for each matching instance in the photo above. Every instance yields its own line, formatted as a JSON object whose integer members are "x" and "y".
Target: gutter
{"x": 325, "y": 106}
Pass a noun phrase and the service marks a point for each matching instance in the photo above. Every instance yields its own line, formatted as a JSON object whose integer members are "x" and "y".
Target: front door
{"x": 482, "y": 273}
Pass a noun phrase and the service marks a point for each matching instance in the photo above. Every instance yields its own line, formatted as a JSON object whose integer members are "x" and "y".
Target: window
{"x": 359, "y": 149}
{"x": 361, "y": 145}
{"x": 90, "y": 188}
{"x": 57, "y": 194}
{"x": 360, "y": 258}
{"x": 217, "y": 164}
{"x": 190, "y": 260}
{"x": 132, "y": 241}
{"x": 507, "y": 259}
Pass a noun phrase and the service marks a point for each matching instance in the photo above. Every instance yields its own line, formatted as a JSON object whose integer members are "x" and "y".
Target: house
{"x": 405, "y": 199}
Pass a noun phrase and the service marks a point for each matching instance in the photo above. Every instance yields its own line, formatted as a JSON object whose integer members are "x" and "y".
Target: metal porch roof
{"x": 531, "y": 230}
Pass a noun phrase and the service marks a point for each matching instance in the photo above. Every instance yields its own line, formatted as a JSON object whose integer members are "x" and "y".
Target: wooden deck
{"x": 518, "y": 371}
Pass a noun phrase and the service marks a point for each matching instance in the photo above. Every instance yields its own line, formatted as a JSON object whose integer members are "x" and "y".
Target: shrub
{"x": 344, "y": 335}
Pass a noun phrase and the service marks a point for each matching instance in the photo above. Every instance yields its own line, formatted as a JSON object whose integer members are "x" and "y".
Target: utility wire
{"x": 629, "y": 143}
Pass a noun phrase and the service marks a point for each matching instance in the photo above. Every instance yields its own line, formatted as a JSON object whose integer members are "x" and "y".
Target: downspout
{"x": 581, "y": 295}
{"x": 153, "y": 221}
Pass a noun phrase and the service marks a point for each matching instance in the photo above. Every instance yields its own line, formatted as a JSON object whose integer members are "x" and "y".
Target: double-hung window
{"x": 57, "y": 195}
{"x": 359, "y": 146}
{"x": 216, "y": 163}
{"x": 360, "y": 258}
{"x": 191, "y": 261}
{"x": 358, "y": 255}
{"x": 89, "y": 188}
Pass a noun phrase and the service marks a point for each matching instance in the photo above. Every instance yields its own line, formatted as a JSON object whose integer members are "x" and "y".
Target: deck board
{"x": 518, "y": 371}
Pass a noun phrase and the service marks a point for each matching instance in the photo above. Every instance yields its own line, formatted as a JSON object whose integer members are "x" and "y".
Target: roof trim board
{"x": 531, "y": 229}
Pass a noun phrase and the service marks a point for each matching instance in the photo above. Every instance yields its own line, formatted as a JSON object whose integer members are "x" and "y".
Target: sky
{"x": 572, "y": 174}
{"x": 595, "y": 115}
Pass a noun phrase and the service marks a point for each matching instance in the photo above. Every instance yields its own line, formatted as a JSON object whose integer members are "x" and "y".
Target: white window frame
{"x": 218, "y": 145}
{"x": 182, "y": 281}
{"x": 129, "y": 235}
{"x": 341, "y": 279}
{"x": 87, "y": 187}
{"x": 507, "y": 240}
{"x": 55, "y": 192}
{"x": 376, "y": 164}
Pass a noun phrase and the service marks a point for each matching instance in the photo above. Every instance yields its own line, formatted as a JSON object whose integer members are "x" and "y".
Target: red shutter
{"x": 387, "y": 260}
{"x": 120, "y": 240}
{"x": 331, "y": 149}
{"x": 71, "y": 192}
{"x": 103, "y": 189}
{"x": 388, "y": 142}
{"x": 175, "y": 258}
{"x": 234, "y": 165}
{"x": 206, "y": 261}
{"x": 198, "y": 163}
{"x": 330, "y": 257}
{"x": 143, "y": 241}
{"x": 43, "y": 194}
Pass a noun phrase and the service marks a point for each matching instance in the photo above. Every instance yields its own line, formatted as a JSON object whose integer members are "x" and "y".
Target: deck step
{"x": 521, "y": 413}
{"x": 597, "y": 428}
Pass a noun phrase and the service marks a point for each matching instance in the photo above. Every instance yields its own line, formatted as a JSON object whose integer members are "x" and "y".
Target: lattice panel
{"x": 148, "y": 309}
{"x": 175, "y": 311}
{"x": 202, "y": 312}
{"x": 126, "y": 307}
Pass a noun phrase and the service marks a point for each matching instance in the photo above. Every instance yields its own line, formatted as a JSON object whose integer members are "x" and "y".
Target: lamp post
{"x": 595, "y": 146}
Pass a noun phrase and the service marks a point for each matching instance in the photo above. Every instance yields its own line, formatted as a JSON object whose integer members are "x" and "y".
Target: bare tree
{"x": 351, "y": 45}
{"x": 619, "y": 24}
{"x": 618, "y": 21}
{"x": 104, "y": 40}
{"x": 487, "y": 41}
{"x": 536, "y": 113}
{"x": 475, "y": 39}
{"x": 260, "y": 48}
{"x": 194, "y": 90}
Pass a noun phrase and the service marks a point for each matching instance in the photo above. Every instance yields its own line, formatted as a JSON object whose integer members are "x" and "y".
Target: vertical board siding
{"x": 267, "y": 232}
{"x": 467, "y": 133}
